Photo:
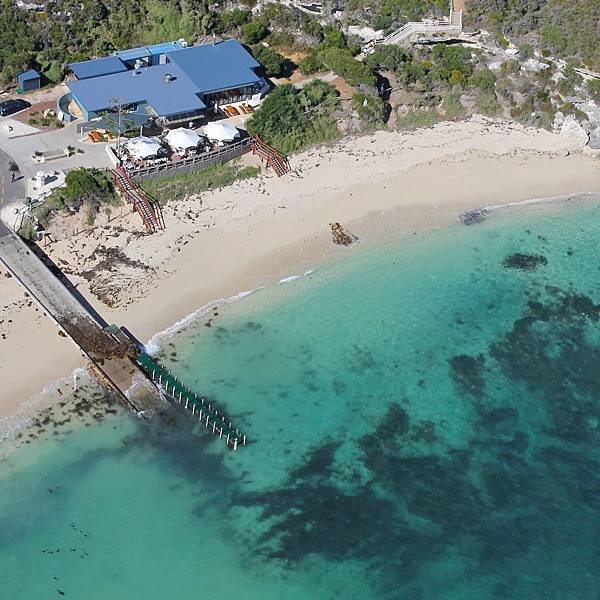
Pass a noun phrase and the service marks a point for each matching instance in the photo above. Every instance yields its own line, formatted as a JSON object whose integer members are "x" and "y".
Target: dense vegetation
{"x": 384, "y": 14}
{"x": 291, "y": 119}
{"x": 566, "y": 28}
{"x": 84, "y": 189}
{"x": 176, "y": 187}
{"x": 70, "y": 30}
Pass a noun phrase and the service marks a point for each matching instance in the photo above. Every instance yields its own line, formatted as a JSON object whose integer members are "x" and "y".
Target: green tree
{"x": 254, "y": 32}
{"x": 274, "y": 63}
{"x": 334, "y": 38}
{"x": 388, "y": 58}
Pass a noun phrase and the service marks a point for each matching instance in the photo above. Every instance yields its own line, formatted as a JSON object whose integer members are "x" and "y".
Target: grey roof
{"x": 97, "y": 67}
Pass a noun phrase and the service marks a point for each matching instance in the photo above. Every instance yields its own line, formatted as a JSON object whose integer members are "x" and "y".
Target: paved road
{"x": 9, "y": 191}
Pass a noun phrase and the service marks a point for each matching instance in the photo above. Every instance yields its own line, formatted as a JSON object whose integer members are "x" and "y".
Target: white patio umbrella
{"x": 182, "y": 139}
{"x": 222, "y": 132}
{"x": 143, "y": 147}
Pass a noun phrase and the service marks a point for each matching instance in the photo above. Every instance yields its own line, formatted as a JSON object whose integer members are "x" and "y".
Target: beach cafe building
{"x": 170, "y": 82}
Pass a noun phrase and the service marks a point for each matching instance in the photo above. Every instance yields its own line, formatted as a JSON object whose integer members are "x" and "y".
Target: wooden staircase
{"x": 146, "y": 207}
{"x": 273, "y": 158}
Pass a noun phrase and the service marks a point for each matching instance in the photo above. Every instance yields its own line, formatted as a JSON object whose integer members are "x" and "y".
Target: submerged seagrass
{"x": 424, "y": 421}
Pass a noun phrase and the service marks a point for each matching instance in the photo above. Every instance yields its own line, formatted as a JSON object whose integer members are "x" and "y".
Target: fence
{"x": 193, "y": 163}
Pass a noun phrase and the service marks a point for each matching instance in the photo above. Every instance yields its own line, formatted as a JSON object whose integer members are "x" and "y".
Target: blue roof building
{"x": 28, "y": 80}
{"x": 169, "y": 81}
{"x": 216, "y": 67}
{"x": 97, "y": 67}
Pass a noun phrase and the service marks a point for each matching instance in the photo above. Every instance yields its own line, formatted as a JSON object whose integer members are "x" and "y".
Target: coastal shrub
{"x": 311, "y": 64}
{"x": 502, "y": 41}
{"x": 416, "y": 118}
{"x": 371, "y": 110}
{"x": 254, "y": 32}
{"x": 334, "y": 38}
{"x": 451, "y": 61}
{"x": 274, "y": 63}
{"x": 526, "y": 51}
{"x": 177, "y": 187}
{"x": 341, "y": 62}
{"x": 291, "y": 119}
{"x": 566, "y": 28}
{"x": 593, "y": 87}
{"x": 452, "y": 106}
{"x": 27, "y": 232}
{"x": 568, "y": 108}
{"x": 389, "y": 58}
{"x": 281, "y": 39}
{"x": 54, "y": 72}
{"x": 43, "y": 214}
{"x": 84, "y": 188}
{"x": 382, "y": 14}
{"x": 483, "y": 79}
{"x": 82, "y": 184}
{"x": 487, "y": 103}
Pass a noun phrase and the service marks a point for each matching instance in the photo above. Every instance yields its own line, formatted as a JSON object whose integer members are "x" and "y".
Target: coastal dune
{"x": 381, "y": 186}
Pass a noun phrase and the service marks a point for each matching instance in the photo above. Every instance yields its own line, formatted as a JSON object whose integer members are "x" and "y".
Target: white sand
{"x": 255, "y": 232}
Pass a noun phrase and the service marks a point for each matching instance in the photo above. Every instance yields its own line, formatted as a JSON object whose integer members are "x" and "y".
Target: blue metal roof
{"x": 97, "y": 67}
{"x": 164, "y": 47}
{"x": 27, "y": 75}
{"x": 196, "y": 71}
{"x": 215, "y": 67}
{"x": 133, "y": 53}
{"x": 148, "y": 85}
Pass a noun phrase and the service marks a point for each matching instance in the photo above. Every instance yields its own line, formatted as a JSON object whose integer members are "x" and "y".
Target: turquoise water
{"x": 423, "y": 423}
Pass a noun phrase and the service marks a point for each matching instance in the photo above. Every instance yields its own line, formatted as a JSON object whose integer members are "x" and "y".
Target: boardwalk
{"x": 405, "y": 35}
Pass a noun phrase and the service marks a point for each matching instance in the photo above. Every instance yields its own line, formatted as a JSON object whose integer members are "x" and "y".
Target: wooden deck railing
{"x": 192, "y": 163}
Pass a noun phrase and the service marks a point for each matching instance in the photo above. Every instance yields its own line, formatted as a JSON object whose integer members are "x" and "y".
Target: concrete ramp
{"x": 111, "y": 354}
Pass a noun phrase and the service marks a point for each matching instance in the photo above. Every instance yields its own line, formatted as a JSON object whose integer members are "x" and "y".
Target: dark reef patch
{"x": 524, "y": 262}
{"x": 467, "y": 373}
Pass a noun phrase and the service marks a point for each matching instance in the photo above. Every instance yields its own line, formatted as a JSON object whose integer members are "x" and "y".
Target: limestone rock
{"x": 573, "y": 133}
{"x": 595, "y": 139}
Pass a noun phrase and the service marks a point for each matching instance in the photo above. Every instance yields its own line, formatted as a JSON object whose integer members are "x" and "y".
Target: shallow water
{"x": 423, "y": 422}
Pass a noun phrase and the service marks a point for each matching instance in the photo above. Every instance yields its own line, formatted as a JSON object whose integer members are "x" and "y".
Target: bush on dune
{"x": 291, "y": 120}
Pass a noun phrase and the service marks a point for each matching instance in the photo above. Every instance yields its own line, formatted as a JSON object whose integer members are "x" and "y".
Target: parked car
{"x": 9, "y": 107}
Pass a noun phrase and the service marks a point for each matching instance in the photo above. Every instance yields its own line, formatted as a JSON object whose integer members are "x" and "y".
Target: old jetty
{"x": 208, "y": 415}
{"x": 115, "y": 356}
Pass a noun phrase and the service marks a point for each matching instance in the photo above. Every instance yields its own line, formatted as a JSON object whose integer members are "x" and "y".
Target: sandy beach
{"x": 381, "y": 186}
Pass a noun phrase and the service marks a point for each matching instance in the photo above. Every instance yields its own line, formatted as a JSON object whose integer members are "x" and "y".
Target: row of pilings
{"x": 208, "y": 414}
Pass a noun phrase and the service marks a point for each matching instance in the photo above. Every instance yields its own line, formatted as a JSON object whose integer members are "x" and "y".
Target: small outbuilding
{"x": 28, "y": 81}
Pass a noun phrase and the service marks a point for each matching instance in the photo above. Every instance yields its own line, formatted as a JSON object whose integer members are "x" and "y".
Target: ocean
{"x": 422, "y": 419}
